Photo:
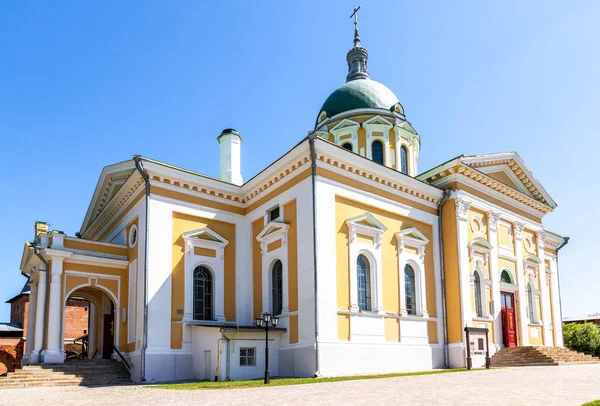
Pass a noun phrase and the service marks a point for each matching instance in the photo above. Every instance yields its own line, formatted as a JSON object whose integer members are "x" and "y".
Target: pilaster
{"x": 31, "y": 318}
{"x": 521, "y": 282}
{"x": 556, "y": 316}
{"x": 492, "y": 220}
{"x": 462, "y": 208}
{"x": 544, "y": 282}
{"x": 54, "y": 352}
{"x": 39, "y": 319}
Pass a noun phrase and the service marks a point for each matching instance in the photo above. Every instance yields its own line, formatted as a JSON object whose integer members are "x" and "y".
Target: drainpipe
{"x": 565, "y": 242}
{"x": 443, "y": 274}
{"x": 228, "y": 356}
{"x": 313, "y": 162}
{"x": 140, "y": 167}
{"x": 36, "y": 251}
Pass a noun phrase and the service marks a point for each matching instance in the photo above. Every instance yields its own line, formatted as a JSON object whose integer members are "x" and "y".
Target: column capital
{"x": 462, "y": 207}
{"x": 540, "y": 236}
{"x": 518, "y": 228}
{"x": 492, "y": 219}
{"x": 57, "y": 255}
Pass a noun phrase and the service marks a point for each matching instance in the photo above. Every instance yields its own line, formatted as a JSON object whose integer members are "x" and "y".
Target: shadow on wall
{"x": 11, "y": 352}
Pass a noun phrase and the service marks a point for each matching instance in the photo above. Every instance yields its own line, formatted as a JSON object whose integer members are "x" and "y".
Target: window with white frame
{"x": 410, "y": 292}
{"x": 247, "y": 356}
{"x": 403, "y": 160}
{"x": 277, "y": 288}
{"x": 203, "y": 294}
{"x": 364, "y": 235}
{"x": 411, "y": 266}
{"x": 477, "y": 291}
{"x": 274, "y": 214}
{"x": 363, "y": 283}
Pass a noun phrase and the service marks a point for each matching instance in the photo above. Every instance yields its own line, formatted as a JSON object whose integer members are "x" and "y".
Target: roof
{"x": 10, "y": 328}
{"x": 24, "y": 291}
{"x": 588, "y": 318}
{"x": 359, "y": 94}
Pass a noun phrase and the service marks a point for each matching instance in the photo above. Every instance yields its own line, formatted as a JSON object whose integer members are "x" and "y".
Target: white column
{"x": 54, "y": 353}
{"x": 544, "y": 290}
{"x": 462, "y": 207}
{"x": 492, "y": 219}
{"x": 92, "y": 331}
{"x": 521, "y": 282}
{"x": 556, "y": 317}
{"x": 31, "y": 317}
{"x": 40, "y": 316}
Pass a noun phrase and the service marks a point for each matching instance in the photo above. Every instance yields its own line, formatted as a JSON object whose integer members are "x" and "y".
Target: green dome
{"x": 359, "y": 94}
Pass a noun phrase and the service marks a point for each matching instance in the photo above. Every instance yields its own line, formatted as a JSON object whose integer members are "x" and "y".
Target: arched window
{"x": 377, "y": 152}
{"x": 505, "y": 277}
{"x": 277, "y": 288}
{"x": 530, "y": 308}
{"x": 363, "y": 274}
{"x": 347, "y": 146}
{"x": 403, "y": 159}
{"x": 409, "y": 290}
{"x": 203, "y": 294}
{"x": 477, "y": 293}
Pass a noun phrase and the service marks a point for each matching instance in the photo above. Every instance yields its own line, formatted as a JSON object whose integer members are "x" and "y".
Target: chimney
{"x": 231, "y": 144}
{"x": 40, "y": 227}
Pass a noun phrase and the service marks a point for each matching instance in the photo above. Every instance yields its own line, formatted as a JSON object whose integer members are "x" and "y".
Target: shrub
{"x": 582, "y": 337}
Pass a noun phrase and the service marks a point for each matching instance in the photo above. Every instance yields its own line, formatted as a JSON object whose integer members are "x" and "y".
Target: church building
{"x": 370, "y": 266}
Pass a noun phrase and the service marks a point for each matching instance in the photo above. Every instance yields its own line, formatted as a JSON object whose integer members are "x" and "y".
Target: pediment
{"x": 273, "y": 228}
{"x": 480, "y": 244}
{"x": 413, "y": 235}
{"x": 405, "y": 125}
{"x": 378, "y": 120}
{"x": 509, "y": 169}
{"x": 345, "y": 123}
{"x": 367, "y": 221}
{"x": 205, "y": 234}
{"x": 111, "y": 180}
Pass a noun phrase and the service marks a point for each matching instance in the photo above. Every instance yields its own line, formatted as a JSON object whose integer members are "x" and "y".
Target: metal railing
{"x": 122, "y": 358}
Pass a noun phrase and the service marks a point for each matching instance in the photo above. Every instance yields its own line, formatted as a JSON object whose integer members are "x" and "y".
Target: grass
{"x": 255, "y": 383}
{"x": 592, "y": 403}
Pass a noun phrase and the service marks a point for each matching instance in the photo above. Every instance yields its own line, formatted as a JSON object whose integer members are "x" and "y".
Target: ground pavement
{"x": 561, "y": 385}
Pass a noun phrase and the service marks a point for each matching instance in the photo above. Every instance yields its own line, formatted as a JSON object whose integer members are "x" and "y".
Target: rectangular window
{"x": 247, "y": 356}
{"x": 274, "y": 213}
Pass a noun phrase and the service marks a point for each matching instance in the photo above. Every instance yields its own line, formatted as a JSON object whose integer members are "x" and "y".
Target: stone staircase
{"x": 98, "y": 372}
{"x": 539, "y": 356}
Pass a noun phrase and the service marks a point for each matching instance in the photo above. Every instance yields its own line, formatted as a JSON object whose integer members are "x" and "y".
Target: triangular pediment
{"x": 205, "y": 234}
{"x": 345, "y": 123}
{"x": 111, "y": 180}
{"x": 367, "y": 220}
{"x": 413, "y": 234}
{"x": 272, "y": 228}
{"x": 509, "y": 169}
{"x": 378, "y": 120}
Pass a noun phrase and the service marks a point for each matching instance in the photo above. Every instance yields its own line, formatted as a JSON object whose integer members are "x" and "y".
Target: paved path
{"x": 562, "y": 385}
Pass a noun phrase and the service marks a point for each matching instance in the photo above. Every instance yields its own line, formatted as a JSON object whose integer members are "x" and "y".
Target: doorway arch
{"x": 103, "y": 319}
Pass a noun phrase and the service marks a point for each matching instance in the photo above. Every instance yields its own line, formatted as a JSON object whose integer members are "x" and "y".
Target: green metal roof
{"x": 359, "y": 94}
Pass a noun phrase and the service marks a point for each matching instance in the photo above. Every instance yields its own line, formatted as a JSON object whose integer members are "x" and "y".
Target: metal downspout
{"x": 565, "y": 242}
{"x": 313, "y": 163}
{"x": 139, "y": 166}
{"x": 36, "y": 251}
{"x": 227, "y": 356}
{"x": 443, "y": 274}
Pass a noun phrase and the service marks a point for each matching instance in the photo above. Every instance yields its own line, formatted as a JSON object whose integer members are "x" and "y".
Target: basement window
{"x": 247, "y": 356}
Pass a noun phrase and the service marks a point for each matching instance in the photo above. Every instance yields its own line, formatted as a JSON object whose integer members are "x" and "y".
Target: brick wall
{"x": 76, "y": 322}
{"x": 11, "y": 352}
{"x": 19, "y": 310}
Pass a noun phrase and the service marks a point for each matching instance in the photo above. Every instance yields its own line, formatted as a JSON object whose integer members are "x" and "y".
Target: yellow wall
{"x": 346, "y": 209}
{"x": 505, "y": 236}
{"x": 343, "y": 327}
{"x": 183, "y": 223}
{"x": 432, "y": 331}
{"x": 293, "y": 328}
{"x": 257, "y": 227}
{"x": 289, "y": 212}
{"x": 540, "y": 339}
{"x": 392, "y": 329}
{"x": 452, "y": 276}
{"x": 474, "y": 212}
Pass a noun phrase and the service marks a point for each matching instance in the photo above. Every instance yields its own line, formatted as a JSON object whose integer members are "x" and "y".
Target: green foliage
{"x": 290, "y": 381}
{"x": 592, "y": 403}
{"x": 582, "y": 337}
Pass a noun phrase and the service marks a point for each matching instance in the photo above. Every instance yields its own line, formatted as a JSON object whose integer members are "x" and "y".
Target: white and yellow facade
{"x": 150, "y": 226}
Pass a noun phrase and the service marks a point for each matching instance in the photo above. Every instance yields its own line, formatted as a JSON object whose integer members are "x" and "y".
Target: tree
{"x": 582, "y": 337}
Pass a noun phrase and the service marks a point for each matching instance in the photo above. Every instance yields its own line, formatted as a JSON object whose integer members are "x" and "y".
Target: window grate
{"x": 247, "y": 356}
{"x": 203, "y": 292}
{"x": 277, "y": 288}
{"x": 409, "y": 290}
{"x": 364, "y": 283}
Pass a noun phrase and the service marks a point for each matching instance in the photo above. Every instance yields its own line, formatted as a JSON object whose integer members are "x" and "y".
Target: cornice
{"x": 485, "y": 180}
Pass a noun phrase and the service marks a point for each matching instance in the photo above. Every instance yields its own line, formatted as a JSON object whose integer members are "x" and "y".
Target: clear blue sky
{"x": 88, "y": 84}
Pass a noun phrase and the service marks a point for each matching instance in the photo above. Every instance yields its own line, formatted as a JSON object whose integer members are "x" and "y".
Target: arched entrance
{"x": 102, "y": 327}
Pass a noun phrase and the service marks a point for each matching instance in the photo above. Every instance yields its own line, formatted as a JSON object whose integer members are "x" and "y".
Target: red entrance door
{"x": 509, "y": 328}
